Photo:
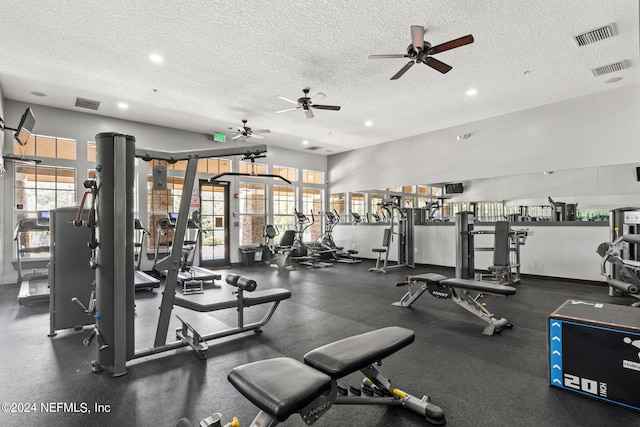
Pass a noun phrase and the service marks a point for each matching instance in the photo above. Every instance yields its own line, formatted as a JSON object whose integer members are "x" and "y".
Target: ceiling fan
{"x": 420, "y": 51}
{"x": 306, "y": 104}
{"x": 247, "y": 132}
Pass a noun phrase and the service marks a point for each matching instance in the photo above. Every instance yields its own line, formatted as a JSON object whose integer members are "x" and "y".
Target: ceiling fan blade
{"x": 288, "y": 109}
{"x": 253, "y": 135}
{"x": 237, "y": 136}
{"x": 288, "y": 100}
{"x": 403, "y": 70}
{"x": 417, "y": 36}
{"x": 450, "y": 45}
{"x": 318, "y": 96}
{"x": 309, "y": 114}
{"x": 261, "y": 131}
{"x": 326, "y": 107}
{"x": 437, "y": 65}
{"x": 390, "y": 55}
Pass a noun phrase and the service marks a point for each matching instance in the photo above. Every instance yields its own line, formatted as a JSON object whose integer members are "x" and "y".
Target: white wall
{"x": 84, "y": 126}
{"x": 595, "y": 130}
{"x": 567, "y": 251}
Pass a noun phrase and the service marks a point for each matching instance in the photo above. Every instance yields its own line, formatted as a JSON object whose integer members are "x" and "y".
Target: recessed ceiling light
{"x": 368, "y": 123}
{"x": 472, "y": 92}
{"x": 36, "y": 93}
{"x": 154, "y": 57}
{"x": 305, "y": 142}
{"x": 123, "y": 105}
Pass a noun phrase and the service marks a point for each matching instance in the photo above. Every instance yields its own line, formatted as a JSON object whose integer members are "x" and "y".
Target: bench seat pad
{"x": 478, "y": 285}
{"x": 280, "y": 386}
{"x": 207, "y": 302}
{"x": 351, "y": 354}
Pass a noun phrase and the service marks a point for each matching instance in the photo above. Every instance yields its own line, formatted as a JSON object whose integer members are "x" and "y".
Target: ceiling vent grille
{"x": 314, "y": 148}
{"x": 611, "y": 68}
{"x": 87, "y": 103}
{"x": 595, "y": 35}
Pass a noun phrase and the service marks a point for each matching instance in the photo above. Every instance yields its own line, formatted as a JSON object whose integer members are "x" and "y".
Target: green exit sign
{"x": 218, "y": 137}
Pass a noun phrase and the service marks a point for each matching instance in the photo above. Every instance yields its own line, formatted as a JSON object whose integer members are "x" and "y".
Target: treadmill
{"x": 142, "y": 280}
{"x": 32, "y": 241}
{"x": 189, "y": 274}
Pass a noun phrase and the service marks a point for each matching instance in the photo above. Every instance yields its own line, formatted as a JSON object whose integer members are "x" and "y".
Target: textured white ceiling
{"x": 227, "y": 61}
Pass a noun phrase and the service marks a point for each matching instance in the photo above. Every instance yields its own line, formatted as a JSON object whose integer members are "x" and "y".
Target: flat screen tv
{"x": 453, "y": 188}
{"x": 23, "y": 132}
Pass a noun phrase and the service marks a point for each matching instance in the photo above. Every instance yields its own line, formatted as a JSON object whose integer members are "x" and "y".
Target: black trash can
{"x": 247, "y": 256}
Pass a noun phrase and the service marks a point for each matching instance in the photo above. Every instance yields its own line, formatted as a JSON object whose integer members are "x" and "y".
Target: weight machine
{"x": 506, "y": 250}
{"x": 112, "y": 252}
{"x": 404, "y": 237}
{"x": 620, "y": 263}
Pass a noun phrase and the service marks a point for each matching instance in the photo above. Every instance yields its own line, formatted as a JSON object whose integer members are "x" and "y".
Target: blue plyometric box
{"x": 594, "y": 350}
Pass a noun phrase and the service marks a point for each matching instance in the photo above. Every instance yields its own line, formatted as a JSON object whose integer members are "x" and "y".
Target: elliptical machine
{"x": 326, "y": 240}
{"x": 314, "y": 256}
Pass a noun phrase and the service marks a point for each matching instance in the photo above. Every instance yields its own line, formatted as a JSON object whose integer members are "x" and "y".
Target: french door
{"x": 214, "y": 212}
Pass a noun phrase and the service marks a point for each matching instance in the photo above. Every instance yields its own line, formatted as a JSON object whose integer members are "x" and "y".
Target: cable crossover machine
{"x": 113, "y": 306}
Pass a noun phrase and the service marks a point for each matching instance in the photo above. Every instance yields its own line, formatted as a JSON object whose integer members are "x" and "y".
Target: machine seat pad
{"x": 281, "y": 386}
{"x": 351, "y": 354}
{"x": 477, "y": 285}
{"x": 498, "y": 267}
{"x": 427, "y": 278}
{"x": 207, "y": 302}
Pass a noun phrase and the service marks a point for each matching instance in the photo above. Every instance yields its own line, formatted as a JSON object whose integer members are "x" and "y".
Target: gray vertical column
{"x": 465, "y": 267}
{"x": 115, "y": 157}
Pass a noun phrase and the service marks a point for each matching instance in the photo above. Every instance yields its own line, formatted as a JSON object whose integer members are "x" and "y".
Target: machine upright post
{"x": 465, "y": 267}
{"x": 115, "y": 156}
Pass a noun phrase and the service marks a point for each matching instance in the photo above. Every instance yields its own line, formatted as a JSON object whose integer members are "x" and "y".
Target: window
{"x": 312, "y": 202}
{"x": 337, "y": 201}
{"x": 41, "y": 188}
{"x": 312, "y": 177}
{"x": 91, "y": 151}
{"x": 409, "y": 189}
{"x": 290, "y": 173}
{"x": 253, "y": 212}
{"x": 159, "y": 203}
{"x": 284, "y": 203}
{"x": 358, "y": 204}
{"x": 214, "y": 165}
{"x": 374, "y": 208}
{"x": 252, "y": 168}
{"x": 47, "y": 146}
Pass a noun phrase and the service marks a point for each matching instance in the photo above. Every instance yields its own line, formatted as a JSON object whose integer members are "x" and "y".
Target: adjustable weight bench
{"x": 208, "y": 302}
{"x": 283, "y": 386}
{"x": 459, "y": 291}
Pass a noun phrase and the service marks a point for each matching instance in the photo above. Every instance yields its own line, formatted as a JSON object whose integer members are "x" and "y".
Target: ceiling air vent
{"x": 595, "y": 35}
{"x": 87, "y": 103}
{"x": 313, "y": 148}
{"x": 611, "y": 68}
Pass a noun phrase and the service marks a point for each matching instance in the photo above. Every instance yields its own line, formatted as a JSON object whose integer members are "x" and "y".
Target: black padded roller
{"x": 243, "y": 283}
{"x": 625, "y": 287}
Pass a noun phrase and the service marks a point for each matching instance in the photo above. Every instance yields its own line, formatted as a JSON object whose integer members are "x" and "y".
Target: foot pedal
{"x": 343, "y": 391}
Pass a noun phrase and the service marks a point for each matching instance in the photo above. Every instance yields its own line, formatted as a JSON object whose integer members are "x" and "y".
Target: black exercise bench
{"x": 459, "y": 291}
{"x": 283, "y": 386}
{"x": 211, "y": 301}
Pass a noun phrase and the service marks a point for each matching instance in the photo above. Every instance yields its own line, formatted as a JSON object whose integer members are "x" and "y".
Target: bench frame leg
{"x": 393, "y": 397}
{"x": 470, "y": 303}
{"x": 415, "y": 292}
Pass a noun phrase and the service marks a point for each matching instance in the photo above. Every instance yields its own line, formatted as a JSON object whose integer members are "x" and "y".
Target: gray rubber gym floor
{"x": 477, "y": 380}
